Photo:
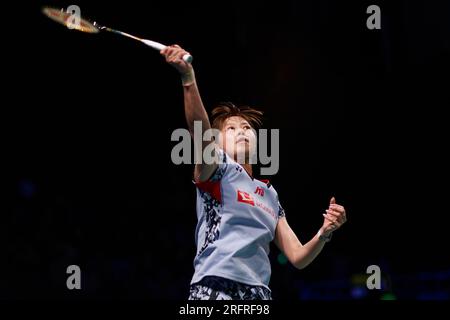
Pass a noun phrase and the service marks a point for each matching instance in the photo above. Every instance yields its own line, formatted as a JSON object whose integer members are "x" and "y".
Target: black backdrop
{"x": 87, "y": 121}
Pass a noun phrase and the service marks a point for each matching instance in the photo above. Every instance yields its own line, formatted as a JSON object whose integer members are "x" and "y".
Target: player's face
{"x": 238, "y": 139}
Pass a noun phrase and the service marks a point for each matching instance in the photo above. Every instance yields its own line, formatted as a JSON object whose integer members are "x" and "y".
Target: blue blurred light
{"x": 358, "y": 292}
{"x": 27, "y": 188}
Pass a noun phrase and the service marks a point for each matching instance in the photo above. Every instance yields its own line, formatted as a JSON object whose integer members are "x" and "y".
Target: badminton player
{"x": 238, "y": 215}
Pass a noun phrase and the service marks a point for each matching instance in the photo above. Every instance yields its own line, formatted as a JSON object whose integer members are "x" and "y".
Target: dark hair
{"x": 224, "y": 110}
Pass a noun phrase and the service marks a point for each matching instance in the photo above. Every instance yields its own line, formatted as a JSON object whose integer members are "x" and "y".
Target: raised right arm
{"x": 193, "y": 106}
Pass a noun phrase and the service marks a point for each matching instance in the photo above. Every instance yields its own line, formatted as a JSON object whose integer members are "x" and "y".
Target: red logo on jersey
{"x": 259, "y": 191}
{"x": 245, "y": 197}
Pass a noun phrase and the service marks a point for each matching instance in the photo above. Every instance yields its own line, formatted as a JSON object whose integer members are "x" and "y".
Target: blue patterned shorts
{"x": 217, "y": 288}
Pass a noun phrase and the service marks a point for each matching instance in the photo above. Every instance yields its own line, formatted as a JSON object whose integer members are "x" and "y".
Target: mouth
{"x": 242, "y": 139}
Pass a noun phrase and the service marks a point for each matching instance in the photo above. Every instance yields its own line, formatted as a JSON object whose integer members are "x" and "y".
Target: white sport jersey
{"x": 237, "y": 216}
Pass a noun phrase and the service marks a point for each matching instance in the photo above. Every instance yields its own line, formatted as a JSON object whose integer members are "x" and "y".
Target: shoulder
{"x": 217, "y": 171}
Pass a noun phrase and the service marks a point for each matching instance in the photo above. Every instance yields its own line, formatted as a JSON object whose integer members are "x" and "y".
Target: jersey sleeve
{"x": 281, "y": 212}
{"x": 222, "y": 166}
{"x": 212, "y": 185}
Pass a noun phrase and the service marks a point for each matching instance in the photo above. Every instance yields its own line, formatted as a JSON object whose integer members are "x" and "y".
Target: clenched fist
{"x": 174, "y": 56}
{"x": 334, "y": 218}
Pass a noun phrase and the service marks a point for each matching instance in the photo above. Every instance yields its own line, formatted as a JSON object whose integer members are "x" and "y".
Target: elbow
{"x": 301, "y": 260}
{"x": 300, "y": 265}
{"x": 297, "y": 257}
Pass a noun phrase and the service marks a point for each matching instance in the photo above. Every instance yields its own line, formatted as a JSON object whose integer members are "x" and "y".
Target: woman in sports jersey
{"x": 238, "y": 215}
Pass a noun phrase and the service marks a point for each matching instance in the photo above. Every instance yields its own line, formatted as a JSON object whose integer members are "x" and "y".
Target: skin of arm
{"x": 301, "y": 255}
{"x": 193, "y": 106}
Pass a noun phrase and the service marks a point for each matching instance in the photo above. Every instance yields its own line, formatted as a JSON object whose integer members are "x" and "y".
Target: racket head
{"x": 62, "y": 17}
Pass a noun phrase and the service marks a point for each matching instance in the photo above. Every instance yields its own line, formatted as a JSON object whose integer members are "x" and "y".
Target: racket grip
{"x": 188, "y": 58}
{"x": 159, "y": 46}
{"x": 155, "y": 45}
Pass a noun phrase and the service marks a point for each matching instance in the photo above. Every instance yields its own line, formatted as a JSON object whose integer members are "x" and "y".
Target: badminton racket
{"x": 84, "y": 25}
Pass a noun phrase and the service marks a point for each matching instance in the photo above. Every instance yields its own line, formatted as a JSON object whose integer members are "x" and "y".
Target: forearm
{"x": 302, "y": 255}
{"x": 193, "y": 105}
{"x": 195, "y": 112}
{"x": 306, "y": 253}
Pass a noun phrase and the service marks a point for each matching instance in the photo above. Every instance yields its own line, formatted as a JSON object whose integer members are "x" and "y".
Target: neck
{"x": 248, "y": 168}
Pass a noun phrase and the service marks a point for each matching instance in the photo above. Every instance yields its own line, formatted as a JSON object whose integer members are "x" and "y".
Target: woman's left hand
{"x": 334, "y": 218}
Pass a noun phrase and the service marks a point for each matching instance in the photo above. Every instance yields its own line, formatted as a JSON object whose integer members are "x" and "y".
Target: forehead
{"x": 236, "y": 120}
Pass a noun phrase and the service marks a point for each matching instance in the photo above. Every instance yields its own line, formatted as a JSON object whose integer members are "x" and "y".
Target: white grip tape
{"x": 159, "y": 46}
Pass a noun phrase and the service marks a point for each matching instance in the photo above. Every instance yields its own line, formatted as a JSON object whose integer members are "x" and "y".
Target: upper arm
{"x": 204, "y": 171}
{"x": 286, "y": 240}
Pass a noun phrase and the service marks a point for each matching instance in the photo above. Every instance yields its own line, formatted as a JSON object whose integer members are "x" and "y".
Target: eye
{"x": 230, "y": 128}
{"x": 247, "y": 127}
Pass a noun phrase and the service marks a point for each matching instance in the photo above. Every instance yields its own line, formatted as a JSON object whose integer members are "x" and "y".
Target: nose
{"x": 240, "y": 131}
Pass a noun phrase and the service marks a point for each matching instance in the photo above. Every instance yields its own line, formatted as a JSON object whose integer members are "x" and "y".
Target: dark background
{"x": 87, "y": 120}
